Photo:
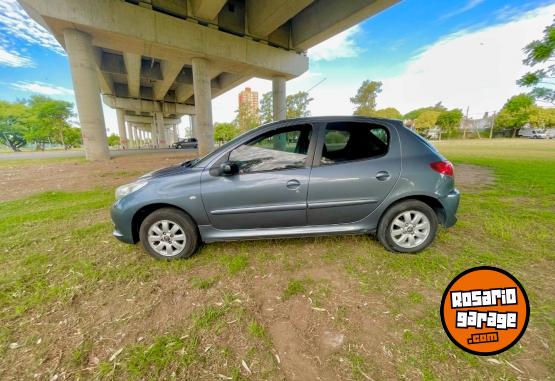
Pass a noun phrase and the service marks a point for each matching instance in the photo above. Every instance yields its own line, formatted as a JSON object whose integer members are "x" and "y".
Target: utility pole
{"x": 492, "y": 125}
{"x": 465, "y": 122}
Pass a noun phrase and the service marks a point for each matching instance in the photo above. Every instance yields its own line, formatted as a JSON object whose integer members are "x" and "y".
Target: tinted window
{"x": 353, "y": 141}
{"x": 281, "y": 149}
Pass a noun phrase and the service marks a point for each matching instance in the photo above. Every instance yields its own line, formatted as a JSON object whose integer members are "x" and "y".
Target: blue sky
{"x": 466, "y": 53}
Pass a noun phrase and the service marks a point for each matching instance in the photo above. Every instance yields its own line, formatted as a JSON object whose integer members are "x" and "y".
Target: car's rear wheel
{"x": 408, "y": 227}
{"x": 169, "y": 233}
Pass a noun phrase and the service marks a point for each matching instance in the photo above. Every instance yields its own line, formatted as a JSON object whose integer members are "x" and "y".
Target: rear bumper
{"x": 450, "y": 206}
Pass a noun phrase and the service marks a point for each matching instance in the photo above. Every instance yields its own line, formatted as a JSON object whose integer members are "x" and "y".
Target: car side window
{"x": 285, "y": 148}
{"x": 348, "y": 141}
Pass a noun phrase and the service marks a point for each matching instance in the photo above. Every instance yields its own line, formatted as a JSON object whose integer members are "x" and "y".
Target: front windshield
{"x": 201, "y": 161}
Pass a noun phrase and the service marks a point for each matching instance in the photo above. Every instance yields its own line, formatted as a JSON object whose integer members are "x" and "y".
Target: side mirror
{"x": 229, "y": 169}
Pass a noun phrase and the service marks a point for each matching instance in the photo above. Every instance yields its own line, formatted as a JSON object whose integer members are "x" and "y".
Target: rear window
{"x": 348, "y": 141}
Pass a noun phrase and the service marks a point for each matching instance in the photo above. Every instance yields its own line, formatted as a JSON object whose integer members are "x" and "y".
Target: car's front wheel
{"x": 408, "y": 227}
{"x": 169, "y": 233}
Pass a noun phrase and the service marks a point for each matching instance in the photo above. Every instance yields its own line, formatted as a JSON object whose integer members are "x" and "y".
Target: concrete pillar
{"x": 175, "y": 133}
{"x": 130, "y": 141}
{"x": 134, "y": 135}
{"x": 203, "y": 106}
{"x": 160, "y": 129}
{"x": 192, "y": 123}
{"x": 121, "y": 128}
{"x": 154, "y": 134}
{"x": 279, "y": 107}
{"x": 279, "y": 98}
{"x": 87, "y": 94}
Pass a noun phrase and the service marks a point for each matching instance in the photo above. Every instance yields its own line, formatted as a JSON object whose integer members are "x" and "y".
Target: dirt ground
{"x": 22, "y": 179}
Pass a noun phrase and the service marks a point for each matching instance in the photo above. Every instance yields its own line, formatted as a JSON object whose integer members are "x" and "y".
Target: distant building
{"x": 249, "y": 99}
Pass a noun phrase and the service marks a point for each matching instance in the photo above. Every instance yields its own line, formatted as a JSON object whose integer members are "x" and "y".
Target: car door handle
{"x": 293, "y": 184}
{"x": 382, "y": 175}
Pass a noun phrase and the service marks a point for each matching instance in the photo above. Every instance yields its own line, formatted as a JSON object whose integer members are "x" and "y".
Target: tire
{"x": 396, "y": 237}
{"x": 169, "y": 224}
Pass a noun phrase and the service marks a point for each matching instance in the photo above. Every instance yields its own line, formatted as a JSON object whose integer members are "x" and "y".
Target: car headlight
{"x": 126, "y": 189}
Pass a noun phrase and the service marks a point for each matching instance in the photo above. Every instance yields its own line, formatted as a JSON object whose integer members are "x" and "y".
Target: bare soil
{"x": 22, "y": 179}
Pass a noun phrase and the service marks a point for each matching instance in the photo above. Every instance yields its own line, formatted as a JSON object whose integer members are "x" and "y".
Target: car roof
{"x": 336, "y": 118}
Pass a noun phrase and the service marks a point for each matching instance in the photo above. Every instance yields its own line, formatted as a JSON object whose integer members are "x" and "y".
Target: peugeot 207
{"x": 295, "y": 178}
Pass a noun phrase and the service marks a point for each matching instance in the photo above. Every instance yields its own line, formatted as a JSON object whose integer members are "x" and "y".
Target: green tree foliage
{"x": 414, "y": 114}
{"x": 246, "y": 119}
{"x": 449, "y": 121}
{"x": 516, "y": 112}
{"x": 11, "y": 126}
{"x": 426, "y": 120}
{"x": 390, "y": 113}
{"x": 537, "y": 53}
{"x": 113, "y": 140}
{"x": 47, "y": 120}
{"x": 365, "y": 99}
{"x": 39, "y": 120}
{"x": 224, "y": 132}
{"x": 542, "y": 117}
{"x": 266, "y": 108}
{"x": 297, "y": 106}
{"x": 73, "y": 138}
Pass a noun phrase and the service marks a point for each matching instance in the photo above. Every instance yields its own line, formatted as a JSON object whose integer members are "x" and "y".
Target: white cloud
{"x": 16, "y": 23}
{"x": 342, "y": 45}
{"x": 478, "y": 69}
{"x": 471, "y": 4}
{"x": 42, "y": 88}
{"x": 13, "y": 59}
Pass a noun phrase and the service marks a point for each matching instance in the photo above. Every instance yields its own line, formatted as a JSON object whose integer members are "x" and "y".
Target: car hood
{"x": 168, "y": 171}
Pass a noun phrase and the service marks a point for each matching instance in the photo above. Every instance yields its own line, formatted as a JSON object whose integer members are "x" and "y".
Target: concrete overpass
{"x": 162, "y": 59}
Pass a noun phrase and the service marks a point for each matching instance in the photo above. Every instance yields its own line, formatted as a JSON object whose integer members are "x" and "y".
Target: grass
{"x": 66, "y": 281}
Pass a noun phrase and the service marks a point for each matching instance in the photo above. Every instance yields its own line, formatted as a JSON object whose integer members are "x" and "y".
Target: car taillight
{"x": 443, "y": 167}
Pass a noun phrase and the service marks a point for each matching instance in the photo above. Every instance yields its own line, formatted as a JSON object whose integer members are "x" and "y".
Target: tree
{"x": 11, "y": 125}
{"x": 113, "y": 140}
{"x": 537, "y": 53}
{"x": 450, "y": 120}
{"x": 426, "y": 120}
{"x": 47, "y": 120}
{"x": 365, "y": 99}
{"x": 266, "y": 108}
{"x": 297, "y": 106}
{"x": 516, "y": 112}
{"x": 225, "y": 131}
{"x": 72, "y": 137}
{"x": 542, "y": 117}
{"x": 246, "y": 119}
{"x": 390, "y": 112}
{"x": 412, "y": 115}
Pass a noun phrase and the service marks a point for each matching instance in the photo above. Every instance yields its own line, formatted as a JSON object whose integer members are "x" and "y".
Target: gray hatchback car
{"x": 295, "y": 178}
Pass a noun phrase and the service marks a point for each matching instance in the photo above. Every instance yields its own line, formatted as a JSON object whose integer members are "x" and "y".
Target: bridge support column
{"x": 121, "y": 128}
{"x": 87, "y": 94}
{"x": 160, "y": 129}
{"x": 154, "y": 133}
{"x": 203, "y": 105}
{"x": 130, "y": 141}
{"x": 279, "y": 98}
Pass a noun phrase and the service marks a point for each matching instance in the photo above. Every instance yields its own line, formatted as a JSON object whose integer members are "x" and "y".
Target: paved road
{"x": 114, "y": 153}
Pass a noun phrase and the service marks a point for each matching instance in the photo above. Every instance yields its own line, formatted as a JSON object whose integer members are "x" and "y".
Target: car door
{"x": 355, "y": 167}
{"x": 271, "y": 187}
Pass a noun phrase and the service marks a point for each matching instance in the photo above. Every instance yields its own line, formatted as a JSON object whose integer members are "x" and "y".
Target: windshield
{"x": 200, "y": 162}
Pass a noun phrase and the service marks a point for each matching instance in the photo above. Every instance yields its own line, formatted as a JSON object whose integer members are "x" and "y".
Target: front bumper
{"x": 123, "y": 223}
{"x": 450, "y": 205}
